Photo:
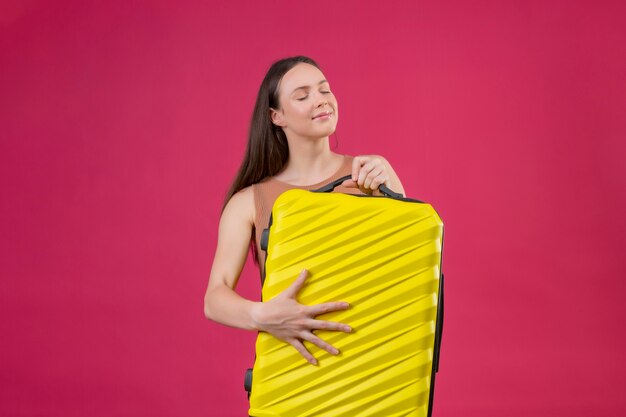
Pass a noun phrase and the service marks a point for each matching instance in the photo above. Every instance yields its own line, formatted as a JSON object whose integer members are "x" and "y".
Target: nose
{"x": 322, "y": 101}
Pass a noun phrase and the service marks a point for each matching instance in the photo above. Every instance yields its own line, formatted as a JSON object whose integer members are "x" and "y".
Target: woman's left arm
{"x": 370, "y": 171}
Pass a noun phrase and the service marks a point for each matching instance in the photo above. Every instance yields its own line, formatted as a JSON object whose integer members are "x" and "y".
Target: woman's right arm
{"x": 221, "y": 303}
{"x": 282, "y": 316}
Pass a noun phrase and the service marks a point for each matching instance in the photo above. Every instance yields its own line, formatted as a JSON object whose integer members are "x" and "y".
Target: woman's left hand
{"x": 368, "y": 173}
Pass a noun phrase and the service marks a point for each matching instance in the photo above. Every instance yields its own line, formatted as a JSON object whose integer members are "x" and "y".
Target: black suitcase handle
{"x": 326, "y": 189}
{"x": 247, "y": 383}
{"x": 331, "y": 186}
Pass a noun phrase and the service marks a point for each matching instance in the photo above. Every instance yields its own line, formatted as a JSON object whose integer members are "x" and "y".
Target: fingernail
{"x": 347, "y": 329}
{"x": 313, "y": 362}
{"x": 335, "y": 352}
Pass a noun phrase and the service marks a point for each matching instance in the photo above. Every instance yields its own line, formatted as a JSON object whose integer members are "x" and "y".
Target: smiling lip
{"x": 322, "y": 115}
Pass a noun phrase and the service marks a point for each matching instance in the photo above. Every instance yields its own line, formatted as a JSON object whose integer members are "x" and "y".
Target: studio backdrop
{"x": 123, "y": 123}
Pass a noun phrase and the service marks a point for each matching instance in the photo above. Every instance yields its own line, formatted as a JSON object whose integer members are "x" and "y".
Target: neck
{"x": 310, "y": 161}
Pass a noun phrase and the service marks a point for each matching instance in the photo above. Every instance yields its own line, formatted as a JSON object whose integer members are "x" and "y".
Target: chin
{"x": 329, "y": 131}
{"x": 321, "y": 132}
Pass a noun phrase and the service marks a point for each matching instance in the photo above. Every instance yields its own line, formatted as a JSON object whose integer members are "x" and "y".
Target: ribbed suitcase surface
{"x": 383, "y": 256}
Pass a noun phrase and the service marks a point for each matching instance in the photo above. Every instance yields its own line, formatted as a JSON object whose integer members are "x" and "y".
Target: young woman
{"x": 288, "y": 147}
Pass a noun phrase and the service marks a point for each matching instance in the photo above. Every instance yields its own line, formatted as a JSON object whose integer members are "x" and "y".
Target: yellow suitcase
{"x": 383, "y": 255}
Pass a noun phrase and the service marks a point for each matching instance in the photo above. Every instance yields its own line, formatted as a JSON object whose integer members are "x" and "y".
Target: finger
{"x": 328, "y": 325}
{"x": 319, "y": 343}
{"x": 371, "y": 165}
{"x": 357, "y": 162}
{"x": 376, "y": 172}
{"x": 377, "y": 191}
{"x": 303, "y": 351}
{"x": 327, "y": 308}
{"x": 377, "y": 182}
{"x": 296, "y": 286}
{"x": 360, "y": 179}
{"x": 349, "y": 184}
{"x": 365, "y": 170}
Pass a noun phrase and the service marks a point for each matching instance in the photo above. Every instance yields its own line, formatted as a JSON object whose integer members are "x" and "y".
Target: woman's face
{"x": 308, "y": 108}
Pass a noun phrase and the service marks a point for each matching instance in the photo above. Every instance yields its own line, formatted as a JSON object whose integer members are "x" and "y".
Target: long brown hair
{"x": 267, "y": 150}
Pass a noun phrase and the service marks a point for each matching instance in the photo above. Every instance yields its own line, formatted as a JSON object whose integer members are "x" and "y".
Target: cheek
{"x": 303, "y": 112}
{"x": 296, "y": 111}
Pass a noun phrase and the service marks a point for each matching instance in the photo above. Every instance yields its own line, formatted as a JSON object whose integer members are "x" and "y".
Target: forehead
{"x": 299, "y": 76}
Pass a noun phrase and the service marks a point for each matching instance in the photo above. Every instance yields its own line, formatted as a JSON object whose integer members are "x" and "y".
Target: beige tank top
{"x": 266, "y": 192}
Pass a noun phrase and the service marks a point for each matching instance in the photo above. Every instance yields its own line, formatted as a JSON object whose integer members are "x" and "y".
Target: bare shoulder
{"x": 241, "y": 205}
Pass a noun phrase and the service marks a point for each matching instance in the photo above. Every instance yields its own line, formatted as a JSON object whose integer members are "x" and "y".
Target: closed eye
{"x": 304, "y": 98}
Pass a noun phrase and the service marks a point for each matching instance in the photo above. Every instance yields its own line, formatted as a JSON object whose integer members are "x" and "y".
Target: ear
{"x": 277, "y": 117}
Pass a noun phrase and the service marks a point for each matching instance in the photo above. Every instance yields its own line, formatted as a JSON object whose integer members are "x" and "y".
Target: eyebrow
{"x": 306, "y": 86}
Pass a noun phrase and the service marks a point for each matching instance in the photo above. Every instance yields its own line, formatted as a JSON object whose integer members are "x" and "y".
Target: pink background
{"x": 122, "y": 124}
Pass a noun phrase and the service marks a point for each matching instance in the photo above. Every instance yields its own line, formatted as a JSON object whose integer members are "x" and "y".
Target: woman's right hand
{"x": 292, "y": 322}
